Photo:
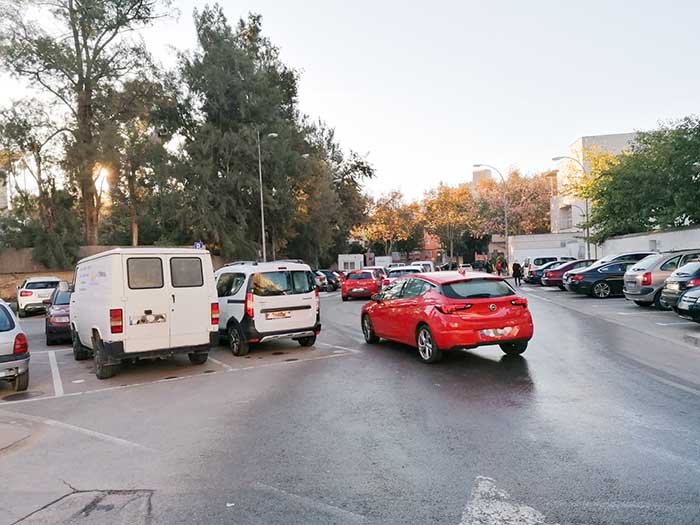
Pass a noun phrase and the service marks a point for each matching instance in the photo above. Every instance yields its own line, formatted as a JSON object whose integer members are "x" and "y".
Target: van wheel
{"x": 516, "y": 348}
{"x": 21, "y": 382}
{"x": 103, "y": 370}
{"x": 80, "y": 353}
{"x": 198, "y": 358}
{"x": 236, "y": 340}
{"x": 307, "y": 341}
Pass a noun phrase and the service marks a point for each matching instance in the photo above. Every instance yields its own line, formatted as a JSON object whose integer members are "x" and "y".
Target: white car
{"x": 400, "y": 271}
{"x": 14, "y": 352}
{"x": 428, "y": 266}
{"x": 131, "y": 303}
{"x": 532, "y": 264}
{"x": 466, "y": 267}
{"x": 266, "y": 301}
{"x": 380, "y": 269}
{"x": 32, "y": 293}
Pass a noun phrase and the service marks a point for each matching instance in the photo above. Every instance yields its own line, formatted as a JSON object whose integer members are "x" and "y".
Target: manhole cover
{"x": 22, "y": 395}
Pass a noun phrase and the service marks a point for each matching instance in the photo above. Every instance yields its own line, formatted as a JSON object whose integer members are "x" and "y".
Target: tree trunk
{"x": 86, "y": 166}
{"x": 133, "y": 212}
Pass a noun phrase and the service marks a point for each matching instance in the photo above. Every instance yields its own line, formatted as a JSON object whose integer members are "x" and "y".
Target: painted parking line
{"x": 221, "y": 364}
{"x": 353, "y": 350}
{"x": 489, "y": 505}
{"x": 55, "y": 375}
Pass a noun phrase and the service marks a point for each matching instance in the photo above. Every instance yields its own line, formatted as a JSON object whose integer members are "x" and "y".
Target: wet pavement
{"x": 596, "y": 423}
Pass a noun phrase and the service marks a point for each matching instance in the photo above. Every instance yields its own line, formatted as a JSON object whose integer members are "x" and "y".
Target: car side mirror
{"x": 377, "y": 297}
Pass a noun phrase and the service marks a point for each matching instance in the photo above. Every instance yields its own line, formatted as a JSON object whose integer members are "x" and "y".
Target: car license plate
{"x": 673, "y": 286}
{"x": 631, "y": 285}
{"x": 497, "y": 332}
{"x": 359, "y": 290}
{"x": 277, "y": 315}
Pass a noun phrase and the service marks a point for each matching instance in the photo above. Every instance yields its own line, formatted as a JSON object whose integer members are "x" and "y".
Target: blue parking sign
{"x": 199, "y": 245}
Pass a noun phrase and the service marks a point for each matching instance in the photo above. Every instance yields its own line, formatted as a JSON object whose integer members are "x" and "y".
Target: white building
{"x": 568, "y": 212}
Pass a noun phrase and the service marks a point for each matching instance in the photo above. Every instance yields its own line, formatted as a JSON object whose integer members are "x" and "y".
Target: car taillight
{"x": 386, "y": 282}
{"x": 116, "y": 321}
{"x": 249, "y": 310}
{"x": 520, "y": 301}
{"x": 550, "y": 274}
{"x": 215, "y": 313}
{"x": 452, "y": 308}
{"x": 577, "y": 278}
{"x": 20, "y": 346}
{"x": 26, "y": 293}
{"x": 646, "y": 279}
{"x": 692, "y": 283}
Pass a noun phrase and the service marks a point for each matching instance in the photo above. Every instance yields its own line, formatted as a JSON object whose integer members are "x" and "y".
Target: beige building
{"x": 568, "y": 212}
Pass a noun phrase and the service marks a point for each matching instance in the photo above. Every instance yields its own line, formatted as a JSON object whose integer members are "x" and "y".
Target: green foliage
{"x": 655, "y": 185}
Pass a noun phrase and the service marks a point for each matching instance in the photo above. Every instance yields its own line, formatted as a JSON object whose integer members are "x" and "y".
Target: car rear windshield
{"x": 6, "y": 322}
{"x": 359, "y": 276}
{"x": 283, "y": 283}
{"x": 399, "y": 273}
{"x": 539, "y": 261}
{"x": 689, "y": 269}
{"x": 648, "y": 262}
{"x": 61, "y": 298}
{"x": 41, "y": 285}
{"x": 477, "y": 289}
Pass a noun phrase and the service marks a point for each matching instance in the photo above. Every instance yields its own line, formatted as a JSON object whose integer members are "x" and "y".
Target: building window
{"x": 566, "y": 219}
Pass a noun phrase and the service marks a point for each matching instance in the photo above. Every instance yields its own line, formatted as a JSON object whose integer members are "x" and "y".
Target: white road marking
{"x": 55, "y": 375}
{"x": 78, "y": 381}
{"x": 229, "y": 505}
{"x": 488, "y": 505}
{"x": 75, "y": 428}
{"x": 675, "y": 323}
{"x": 535, "y": 296}
{"x": 527, "y": 288}
{"x": 344, "y": 516}
{"x": 217, "y": 362}
{"x": 353, "y": 350}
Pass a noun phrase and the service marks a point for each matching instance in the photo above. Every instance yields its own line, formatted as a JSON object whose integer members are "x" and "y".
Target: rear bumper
{"x": 32, "y": 307}
{"x": 365, "y": 293}
{"x": 670, "y": 297}
{"x": 448, "y": 338}
{"x": 115, "y": 350}
{"x": 551, "y": 281}
{"x": 11, "y": 366}
{"x": 644, "y": 294}
{"x": 58, "y": 329}
{"x": 251, "y": 334}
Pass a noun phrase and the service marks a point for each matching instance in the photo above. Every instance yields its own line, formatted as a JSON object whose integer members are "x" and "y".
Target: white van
{"x": 265, "y": 301}
{"x": 428, "y": 266}
{"x": 130, "y": 303}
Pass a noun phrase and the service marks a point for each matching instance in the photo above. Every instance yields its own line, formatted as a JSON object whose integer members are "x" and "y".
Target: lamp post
{"x": 505, "y": 203}
{"x": 588, "y": 232}
{"x": 262, "y": 202}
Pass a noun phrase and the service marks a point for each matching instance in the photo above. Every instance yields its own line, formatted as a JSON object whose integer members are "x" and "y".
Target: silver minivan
{"x": 644, "y": 281}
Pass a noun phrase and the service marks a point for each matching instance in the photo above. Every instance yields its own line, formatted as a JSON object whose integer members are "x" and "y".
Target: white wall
{"x": 521, "y": 246}
{"x": 677, "y": 239}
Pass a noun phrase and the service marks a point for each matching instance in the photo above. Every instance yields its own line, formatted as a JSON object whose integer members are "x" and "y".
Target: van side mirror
{"x": 377, "y": 297}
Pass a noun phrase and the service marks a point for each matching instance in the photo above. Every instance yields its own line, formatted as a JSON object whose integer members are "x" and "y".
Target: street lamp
{"x": 505, "y": 202}
{"x": 588, "y": 232}
{"x": 262, "y": 204}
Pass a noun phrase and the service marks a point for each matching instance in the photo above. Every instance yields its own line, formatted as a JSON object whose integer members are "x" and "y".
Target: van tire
{"x": 307, "y": 341}
{"x": 103, "y": 370}
{"x": 80, "y": 353}
{"x": 21, "y": 382}
{"x": 236, "y": 340}
{"x": 198, "y": 358}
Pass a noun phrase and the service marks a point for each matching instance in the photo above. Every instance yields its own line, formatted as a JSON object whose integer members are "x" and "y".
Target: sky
{"x": 427, "y": 89}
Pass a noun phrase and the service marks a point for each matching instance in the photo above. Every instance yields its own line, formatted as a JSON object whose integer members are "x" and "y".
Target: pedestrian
{"x": 499, "y": 267}
{"x": 517, "y": 272}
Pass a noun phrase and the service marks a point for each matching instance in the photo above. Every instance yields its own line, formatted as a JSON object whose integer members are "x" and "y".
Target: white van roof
{"x": 145, "y": 251}
{"x": 256, "y": 267}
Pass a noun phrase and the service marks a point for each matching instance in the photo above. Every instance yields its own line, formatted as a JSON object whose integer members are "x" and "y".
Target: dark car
{"x": 58, "y": 317}
{"x": 535, "y": 277}
{"x": 688, "y": 305}
{"x": 554, "y": 276}
{"x": 686, "y": 277}
{"x": 626, "y": 256}
{"x": 600, "y": 281}
{"x": 332, "y": 280}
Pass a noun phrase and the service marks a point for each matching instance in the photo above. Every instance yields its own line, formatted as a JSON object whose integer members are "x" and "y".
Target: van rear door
{"x": 146, "y": 304}
{"x": 191, "y": 280}
{"x": 284, "y": 300}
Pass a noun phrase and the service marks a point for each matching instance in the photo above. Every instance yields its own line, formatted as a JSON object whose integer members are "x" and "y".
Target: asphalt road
{"x": 598, "y": 422}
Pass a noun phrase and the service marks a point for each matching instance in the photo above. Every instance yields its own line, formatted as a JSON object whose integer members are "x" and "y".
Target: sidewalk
{"x": 11, "y": 434}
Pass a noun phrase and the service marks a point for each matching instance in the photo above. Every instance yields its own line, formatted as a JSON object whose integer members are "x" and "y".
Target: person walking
{"x": 499, "y": 267}
{"x": 517, "y": 272}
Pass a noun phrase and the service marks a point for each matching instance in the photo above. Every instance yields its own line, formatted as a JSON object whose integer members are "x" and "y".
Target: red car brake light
{"x": 215, "y": 313}
{"x": 692, "y": 283}
{"x": 116, "y": 321}
{"x": 520, "y": 301}
{"x": 26, "y": 293}
{"x": 577, "y": 278}
{"x": 452, "y": 308}
{"x": 20, "y": 346}
{"x": 386, "y": 282}
{"x": 249, "y": 310}
{"x": 646, "y": 279}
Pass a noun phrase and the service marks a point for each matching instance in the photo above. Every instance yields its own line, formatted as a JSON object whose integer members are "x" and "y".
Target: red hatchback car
{"x": 361, "y": 283}
{"x": 448, "y": 310}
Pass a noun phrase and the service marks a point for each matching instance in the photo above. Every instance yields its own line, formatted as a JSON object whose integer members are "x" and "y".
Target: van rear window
{"x": 186, "y": 272}
{"x": 477, "y": 289}
{"x": 144, "y": 272}
{"x": 6, "y": 322}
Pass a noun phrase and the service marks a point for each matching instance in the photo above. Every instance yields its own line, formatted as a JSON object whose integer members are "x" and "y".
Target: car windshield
{"x": 477, "y": 289}
{"x": 404, "y": 271}
{"x": 41, "y": 285}
{"x": 61, "y": 298}
{"x": 648, "y": 262}
{"x": 6, "y": 322}
{"x": 359, "y": 276}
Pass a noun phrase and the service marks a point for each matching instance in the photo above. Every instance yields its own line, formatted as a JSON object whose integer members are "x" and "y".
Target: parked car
{"x": 400, "y": 271}
{"x": 428, "y": 266}
{"x": 57, "y": 322}
{"x": 532, "y": 264}
{"x": 380, "y": 269}
{"x": 442, "y": 311}
{"x": 535, "y": 276}
{"x": 555, "y": 276}
{"x": 332, "y": 280}
{"x": 688, "y": 305}
{"x": 266, "y": 301}
{"x": 685, "y": 278}
{"x": 14, "y": 351}
{"x": 321, "y": 280}
{"x": 32, "y": 293}
{"x": 361, "y": 283}
{"x": 626, "y": 256}
{"x": 129, "y": 303}
{"x": 466, "y": 267}
{"x": 644, "y": 282}
{"x": 600, "y": 282}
